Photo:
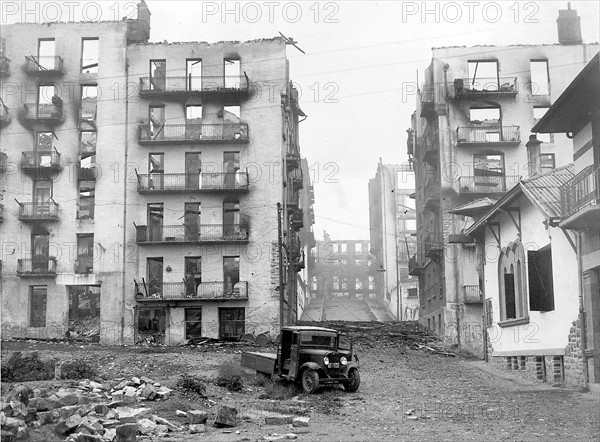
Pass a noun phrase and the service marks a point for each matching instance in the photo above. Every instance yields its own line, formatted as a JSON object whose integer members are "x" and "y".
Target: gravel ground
{"x": 405, "y": 394}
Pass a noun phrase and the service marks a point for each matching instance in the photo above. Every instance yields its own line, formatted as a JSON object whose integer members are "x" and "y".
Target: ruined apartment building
{"x": 393, "y": 225}
{"x": 474, "y": 115}
{"x": 141, "y": 182}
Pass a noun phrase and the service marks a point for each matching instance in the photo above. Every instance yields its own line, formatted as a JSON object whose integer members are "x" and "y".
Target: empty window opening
{"x": 194, "y": 74}
{"x": 46, "y": 54}
{"x": 192, "y": 221}
{"x": 193, "y": 275}
{"x": 359, "y": 284}
{"x": 158, "y": 75}
{"x": 85, "y": 254}
{"x": 509, "y": 295}
{"x": 156, "y": 120}
{"x": 89, "y": 102}
{"x": 87, "y": 200}
{"x": 155, "y": 213}
{"x": 156, "y": 171}
{"x": 193, "y": 170}
{"x": 232, "y": 71}
{"x": 151, "y": 325}
{"x": 540, "y": 80}
{"x": 231, "y": 114}
{"x": 84, "y": 311}
{"x": 38, "y": 298}
{"x": 40, "y": 252}
{"x": 484, "y": 115}
{"x": 541, "y": 284}
{"x": 89, "y": 55}
{"x": 154, "y": 273}
{"x": 43, "y": 141}
{"x": 483, "y": 75}
{"x": 232, "y": 322}
{"x": 193, "y": 323}
{"x": 45, "y": 94}
{"x": 231, "y": 274}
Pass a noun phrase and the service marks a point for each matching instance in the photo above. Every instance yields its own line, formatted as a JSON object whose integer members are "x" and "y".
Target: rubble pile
{"x": 407, "y": 334}
{"x": 91, "y": 411}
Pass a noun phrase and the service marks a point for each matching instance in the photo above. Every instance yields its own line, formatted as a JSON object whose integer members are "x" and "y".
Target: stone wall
{"x": 573, "y": 366}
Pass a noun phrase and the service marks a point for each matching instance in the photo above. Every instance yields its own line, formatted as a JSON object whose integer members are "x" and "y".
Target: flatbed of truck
{"x": 261, "y": 362}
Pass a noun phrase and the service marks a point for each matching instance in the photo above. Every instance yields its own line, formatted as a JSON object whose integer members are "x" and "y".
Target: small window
{"x": 371, "y": 283}
{"x": 38, "y": 298}
{"x": 548, "y": 162}
{"x": 89, "y": 55}
{"x": 344, "y": 247}
{"x": 358, "y": 247}
{"x": 232, "y": 322}
{"x": 412, "y": 292}
{"x": 484, "y": 115}
{"x": 540, "y": 81}
{"x": 358, "y": 284}
{"x": 541, "y": 282}
{"x": 152, "y": 324}
{"x": 44, "y": 141}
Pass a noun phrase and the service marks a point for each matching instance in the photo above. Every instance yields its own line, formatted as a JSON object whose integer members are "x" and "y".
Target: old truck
{"x": 311, "y": 356}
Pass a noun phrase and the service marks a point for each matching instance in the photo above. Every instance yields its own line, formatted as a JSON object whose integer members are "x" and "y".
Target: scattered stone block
{"x": 300, "y": 421}
{"x": 20, "y": 393}
{"x": 275, "y": 437}
{"x": 68, "y": 399}
{"x": 161, "y": 430}
{"x": 110, "y": 434}
{"x": 101, "y": 409}
{"x": 46, "y": 417}
{"x": 136, "y": 381}
{"x": 181, "y": 413}
{"x": 149, "y": 392}
{"x": 164, "y": 392}
{"x": 95, "y": 385}
{"x": 197, "y": 428}
{"x": 161, "y": 421}
{"x": 67, "y": 426}
{"x": 126, "y": 433}
{"x": 146, "y": 380}
{"x": 43, "y": 404}
{"x": 82, "y": 437}
{"x": 278, "y": 420}
{"x": 226, "y": 417}
{"x": 146, "y": 426}
{"x": 197, "y": 417}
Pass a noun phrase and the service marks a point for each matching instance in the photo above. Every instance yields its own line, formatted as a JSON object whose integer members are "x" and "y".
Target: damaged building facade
{"x": 141, "y": 184}
{"x": 473, "y": 118}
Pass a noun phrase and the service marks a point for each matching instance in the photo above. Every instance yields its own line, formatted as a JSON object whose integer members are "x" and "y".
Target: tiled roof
{"x": 545, "y": 189}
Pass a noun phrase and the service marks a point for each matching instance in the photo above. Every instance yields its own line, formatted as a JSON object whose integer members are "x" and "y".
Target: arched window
{"x": 511, "y": 281}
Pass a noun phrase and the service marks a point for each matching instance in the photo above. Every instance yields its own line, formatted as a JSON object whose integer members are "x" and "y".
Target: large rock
{"x": 197, "y": 428}
{"x": 127, "y": 433}
{"x": 101, "y": 409}
{"x": 67, "y": 426}
{"x": 43, "y": 404}
{"x": 68, "y": 399}
{"x": 197, "y": 417}
{"x": 47, "y": 417}
{"x": 149, "y": 392}
{"x": 278, "y": 420}
{"x": 146, "y": 426}
{"x": 300, "y": 421}
{"x": 226, "y": 417}
{"x": 11, "y": 424}
{"x": 82, "y": 437}
{"x": 20, "y": 393}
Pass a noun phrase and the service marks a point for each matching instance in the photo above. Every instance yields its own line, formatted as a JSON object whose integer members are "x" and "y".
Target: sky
{"x": 358, "y": 75}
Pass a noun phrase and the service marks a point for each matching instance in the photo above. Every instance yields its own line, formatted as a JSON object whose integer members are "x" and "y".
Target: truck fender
{"x": 348, "y": 366}
{"x": 311, "y": 365}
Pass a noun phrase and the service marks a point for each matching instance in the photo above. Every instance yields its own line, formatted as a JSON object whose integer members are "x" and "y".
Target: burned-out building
{"x": 473, "y": 118}
{"x": 153, "y": 215}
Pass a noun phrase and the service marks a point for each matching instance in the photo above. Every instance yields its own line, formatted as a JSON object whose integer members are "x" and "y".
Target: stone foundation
{"x": 573, "y": 365}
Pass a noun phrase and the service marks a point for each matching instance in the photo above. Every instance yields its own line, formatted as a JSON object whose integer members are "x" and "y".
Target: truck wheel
{"x": 353, "y": 381}
{"x": 310, "y": 381}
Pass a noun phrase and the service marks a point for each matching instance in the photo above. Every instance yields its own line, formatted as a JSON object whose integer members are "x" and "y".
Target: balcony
{"x": 472, "y": 294}
{"x": 298, "y": 219}
{"x": 580, "y": 199}
{"x": 4, "y": 65}
{"x": 34, "y": 162}
{"x": 4, "y": 115}
{"x": 428, "y": 101}
{"x": 293, "y": 199}
{"x": 188, "y": 234}
{"x": 37, "y": 212}
{"x": 44, "y": 65}
{"x": 181, "y": 291}
{"x": 297, "y": 178}
{"x": 416, "y": 264}
{"x": 3, "y": 161}
{"x": 488, "y": 135}
{"x": 485, "y": 88}
{"x": 43, "y": 113}
{"x": 431, "y": 193}
{"x": 433, "y": 246}
{"x": 230, "y": 85}
{"x": 429, "y": 145}
{"x": 292, "y": 160}
{"x": 193, "y": 133}
{"x": 192, "y": 183}
{"x": 36, "y": 266}
{"x": 484, "y": 185}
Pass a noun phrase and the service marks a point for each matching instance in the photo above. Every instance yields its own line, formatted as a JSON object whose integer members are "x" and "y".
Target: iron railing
{"x": 293, "y": 199}
{"x": 433, "y": 244}
{"x": 431, "y": 191}
{"x": 182, "y": 182}
{"x": 297, "y": 178}
{"x": 581, "y": 190}
{"x": 192, "y": 233}
{"x": 40, "y": 160}
{"x": 482, "y": 86}
{"x": 488, "y": 134}
{"x": 183, "y": 84}
{"x": 216, "y": 290}
{"x": 487, "y": 183}
{"x": 472, "y": 294}
{"x": 38, "y": 211}
{"x": 44, "y": 111}
{"x": 416, "y": 263}
{"x": 38, "y": 265}
{"x": 191, "y": 133}
{"x": 43, "y": 64}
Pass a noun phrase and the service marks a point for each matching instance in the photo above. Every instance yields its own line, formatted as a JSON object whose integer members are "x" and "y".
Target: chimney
{"x": 569, "y": 26}
{"x": 534, "y": 160}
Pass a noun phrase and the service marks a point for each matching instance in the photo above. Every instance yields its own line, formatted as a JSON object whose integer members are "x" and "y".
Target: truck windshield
{"x": 317, "y": 339}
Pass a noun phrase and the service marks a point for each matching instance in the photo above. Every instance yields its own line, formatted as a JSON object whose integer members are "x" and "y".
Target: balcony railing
{"x": 185, "y": 234}
{"x": 189, "y": 84}
{"x": 297, "y": 178}
{"x": 433, "y": 245}
{"x": 48, "y": 160}
{"x": 193, "y": 133}
{"x": 432, "y": 191}
{"x": 582, "y": 190}
{"x": 44, "y": 65}
{"x": 45, "y": 112}
{"x": 429, "y": 145}
{"x": 204, "y": 291}
{"x": 46, "y": 211}
{"x": 487, "y": 184}
{"x": 488, "y": 134}
{"x": 293, "y": 199}
{"x": 37, "y": 266}
{"x": 197, "y": 182}
{"x": 4, "y": 65}
{"x": 485, "y": 87}
{"x": 298, "y": 219}
{"x": 292, "y": 160}
{"x": 472, "y": 294}
{"x": 416, "y": 263}
{"x": 427, "y": 100}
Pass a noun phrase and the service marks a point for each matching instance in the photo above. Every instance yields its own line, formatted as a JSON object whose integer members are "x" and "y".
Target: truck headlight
{"x": 343, "y": 360}
{"x": 326, "y": 360}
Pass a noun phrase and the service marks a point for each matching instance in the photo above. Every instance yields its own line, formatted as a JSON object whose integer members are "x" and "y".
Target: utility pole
{"x": 280, "y": 246}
